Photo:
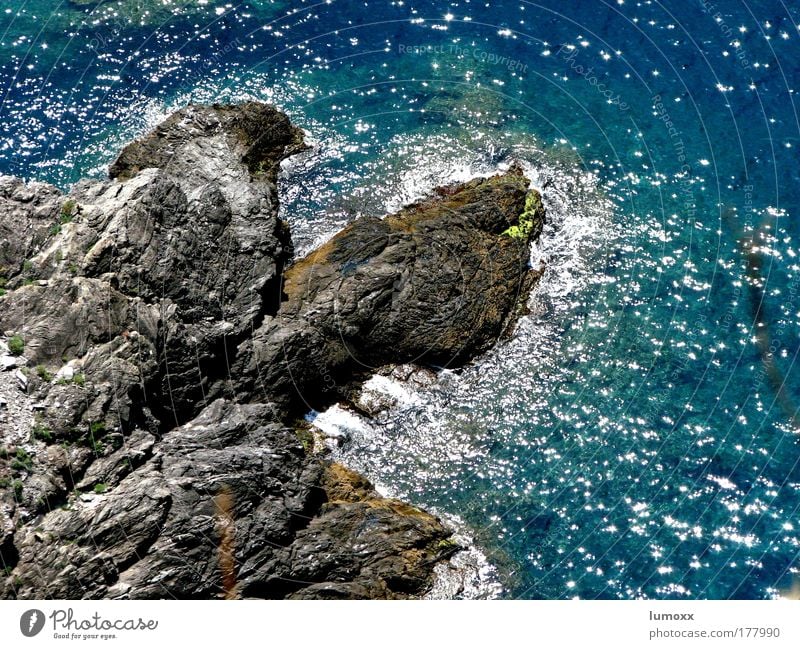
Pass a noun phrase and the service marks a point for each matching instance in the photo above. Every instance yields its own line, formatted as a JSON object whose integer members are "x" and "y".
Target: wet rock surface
{"x": 159, "y": 346}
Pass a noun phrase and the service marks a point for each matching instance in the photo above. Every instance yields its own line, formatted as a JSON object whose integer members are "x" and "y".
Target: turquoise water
{"x": 637, "y": 436}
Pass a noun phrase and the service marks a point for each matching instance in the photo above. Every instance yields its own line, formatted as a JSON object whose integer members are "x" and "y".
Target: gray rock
{"x": 157, "y": 532}
{"x": 66, "y": 373}
{"x": 29, "y": 213}
{"x": 66, "y": 316}
{"x": 8, "y": 363}
{"x": 109, "y": 471}
{"x": 184, "y": 245}
{"x": 22, "y": 380}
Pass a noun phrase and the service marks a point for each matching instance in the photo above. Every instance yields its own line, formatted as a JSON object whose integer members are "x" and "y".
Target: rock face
{"x": 186, "y": 249}
{"x": 299, "y": 527}
{"x": 173, "y": 350}
{"x": 29, "y": 212}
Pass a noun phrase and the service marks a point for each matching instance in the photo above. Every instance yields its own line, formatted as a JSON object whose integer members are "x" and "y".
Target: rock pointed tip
{"x": 252, "y": 133}
{"x": 516, "y": 169}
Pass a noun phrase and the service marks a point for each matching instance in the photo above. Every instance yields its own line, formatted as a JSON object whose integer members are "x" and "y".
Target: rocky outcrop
{"x": 434, "y": 284}
{"x": 165, "y": 351}
{"x": 185, "y": 248}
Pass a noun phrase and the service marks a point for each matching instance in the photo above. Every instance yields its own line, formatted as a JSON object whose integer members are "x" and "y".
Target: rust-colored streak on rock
{"x": 226, "y": 527}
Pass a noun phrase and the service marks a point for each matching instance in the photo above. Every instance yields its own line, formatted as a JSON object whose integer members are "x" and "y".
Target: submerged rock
{"x": 171, "y": 350}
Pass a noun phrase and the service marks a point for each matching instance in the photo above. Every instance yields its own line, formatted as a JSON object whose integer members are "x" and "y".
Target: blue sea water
{"x": 637, "y": 436}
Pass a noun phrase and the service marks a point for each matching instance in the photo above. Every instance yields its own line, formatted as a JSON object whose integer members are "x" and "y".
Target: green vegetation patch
{"x": 22, "y": 461}
{"x": 67, "y": 211}
{"x": 41, "y": 370}
{"x": 16, "y": 345}
{"x": 42, "y": 432}
{"x": 527, "y": 220}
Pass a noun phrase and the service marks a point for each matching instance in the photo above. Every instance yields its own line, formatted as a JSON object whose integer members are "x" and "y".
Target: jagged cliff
{"x": 160, "y": 345}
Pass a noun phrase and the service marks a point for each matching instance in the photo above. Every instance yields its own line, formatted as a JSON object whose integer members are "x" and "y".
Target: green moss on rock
{"x": 16, "y": 345}
{"x": 528, "y": 220}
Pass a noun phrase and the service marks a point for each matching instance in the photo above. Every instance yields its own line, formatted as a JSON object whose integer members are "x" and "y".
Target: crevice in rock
{"x": 276, "y": 588}
{"x": 9, "y": 555}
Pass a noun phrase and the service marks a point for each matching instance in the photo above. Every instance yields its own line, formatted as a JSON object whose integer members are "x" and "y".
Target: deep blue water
{"x": 631, "y": 440}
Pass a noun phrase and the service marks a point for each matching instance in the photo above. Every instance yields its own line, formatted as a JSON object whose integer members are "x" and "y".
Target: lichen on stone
{"x": 527, "y": 220}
